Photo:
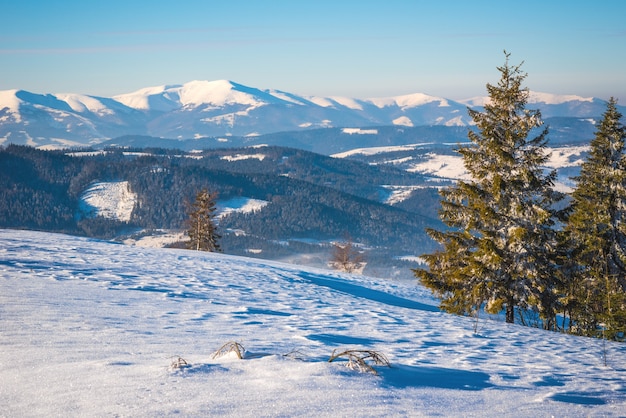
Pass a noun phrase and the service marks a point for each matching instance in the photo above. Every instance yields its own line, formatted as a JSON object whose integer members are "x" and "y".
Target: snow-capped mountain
{"x": 222, "y": 108}
{"x": 554, "y": 105}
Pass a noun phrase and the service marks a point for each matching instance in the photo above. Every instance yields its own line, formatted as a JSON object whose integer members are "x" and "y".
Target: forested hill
{"x": 328, "y": 141}
{"x": 309, "y": 198}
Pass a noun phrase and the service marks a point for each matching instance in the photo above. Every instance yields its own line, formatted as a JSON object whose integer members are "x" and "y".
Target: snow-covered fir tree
{"x": 499, "y": 249}
{"x": 202, "y": 230}
{"x": 596, "y": 233}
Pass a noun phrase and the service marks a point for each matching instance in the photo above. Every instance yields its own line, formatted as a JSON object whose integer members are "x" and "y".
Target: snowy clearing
{"x": 446, "y": 166}
{"x": 112, "y": 200}
{"x": 240, "y": 157}
{"x": 91, "y": 328}
{"x": 398, "y": 194}
{"x": 240, "y": 205}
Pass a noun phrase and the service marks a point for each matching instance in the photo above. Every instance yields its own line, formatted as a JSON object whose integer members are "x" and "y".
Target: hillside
{"x": 92, "y": 328}
{"x": 304, "y": 200}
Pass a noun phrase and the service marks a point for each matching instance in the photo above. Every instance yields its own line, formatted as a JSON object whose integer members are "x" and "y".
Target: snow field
{"x": 112, "y": 200}
{"x": 90, "y": 328}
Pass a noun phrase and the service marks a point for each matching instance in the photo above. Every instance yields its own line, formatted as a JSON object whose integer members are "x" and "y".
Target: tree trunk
{"x": 510, "y": 313}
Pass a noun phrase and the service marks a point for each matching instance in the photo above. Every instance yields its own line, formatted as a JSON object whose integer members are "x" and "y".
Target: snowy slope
{"x": 91, "y": 328}
{"x": 112, "y": 200}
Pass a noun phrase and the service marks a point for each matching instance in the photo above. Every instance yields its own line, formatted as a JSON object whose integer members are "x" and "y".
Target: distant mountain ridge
{"x": 200, "y": 109}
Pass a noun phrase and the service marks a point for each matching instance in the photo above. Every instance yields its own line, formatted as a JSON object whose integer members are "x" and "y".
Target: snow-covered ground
{"x": 113, "y": 200}
{"x": 91, "y": 328}
{"x": 239, "y": 204}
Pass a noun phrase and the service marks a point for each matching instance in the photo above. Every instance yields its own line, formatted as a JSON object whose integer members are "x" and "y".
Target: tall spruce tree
{"x": 498, "y": 250}
{"x": 202, "y": 230}
{"x": 596, "y": 230}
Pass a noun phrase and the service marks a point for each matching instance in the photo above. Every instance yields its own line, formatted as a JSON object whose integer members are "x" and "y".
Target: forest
{"x": 312, "y": 198}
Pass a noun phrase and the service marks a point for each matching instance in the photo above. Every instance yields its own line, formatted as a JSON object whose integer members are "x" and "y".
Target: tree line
{"x": 513, "y": 243}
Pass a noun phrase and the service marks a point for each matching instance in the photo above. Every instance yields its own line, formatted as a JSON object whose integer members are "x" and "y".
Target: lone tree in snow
{"x": 499, "y": 248}
{"x": 596, "y": 232}
{"x": 202, "y": 230}
{"x": 346, "y": 257}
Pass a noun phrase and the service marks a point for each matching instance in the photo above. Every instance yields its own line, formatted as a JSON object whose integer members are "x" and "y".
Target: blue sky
{"x": 328, "y": 48}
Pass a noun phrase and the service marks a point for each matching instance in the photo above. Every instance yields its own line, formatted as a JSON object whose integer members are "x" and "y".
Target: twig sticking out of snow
{"x": 178, "y": 363}
{"x": 230, "y": 347}
{"x": 357, "y": 359}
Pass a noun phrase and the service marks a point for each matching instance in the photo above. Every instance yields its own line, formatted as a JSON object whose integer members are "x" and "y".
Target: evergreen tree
{"x": 596, "y": 231}
{"x": 500, "y": 244}
{"x": 202, "y": 230}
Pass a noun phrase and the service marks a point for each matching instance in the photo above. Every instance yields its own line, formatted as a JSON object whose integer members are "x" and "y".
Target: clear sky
{"x": 358, "y": 48}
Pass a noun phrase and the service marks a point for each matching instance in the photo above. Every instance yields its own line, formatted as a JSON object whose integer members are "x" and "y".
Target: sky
{"x": 361, "y": 49}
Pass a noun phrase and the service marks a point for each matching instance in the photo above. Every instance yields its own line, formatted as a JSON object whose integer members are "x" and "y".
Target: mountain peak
{"x": 201, "y": 108}
{"x": 534, "y": 97}
{"x": 408, "y": 100}
{"x": 554, "y": 99}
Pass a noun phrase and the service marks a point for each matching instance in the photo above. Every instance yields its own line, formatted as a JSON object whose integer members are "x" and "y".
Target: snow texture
{"x": 91, "y": 328}
{"x": 240, "y": 205}
{"x": 112, "y": 200}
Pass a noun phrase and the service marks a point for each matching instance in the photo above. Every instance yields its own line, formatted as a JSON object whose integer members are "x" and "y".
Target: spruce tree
{"x": 596, "y": 231}
{"x": 498, "y": 249}
{"x": 202, "y": 230}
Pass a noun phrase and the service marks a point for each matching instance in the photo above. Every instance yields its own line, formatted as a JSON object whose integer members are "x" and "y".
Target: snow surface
{"x": 359, "y": 131}
{"x": 194, "y": 93}
{"x": 408, "y": 101}
{"x": 240, "y": 205}
{"x": 446, "y": 166}
{"x": 533, "y": 97}
{"x": 377, "y": 150}
{"x": 112, "y": 200}
{"x": 10, "y": 101}
{"x": 403, "y": 121}
{"x": 91, "y": 328}
{"x": 239, "y": 157}
{"x": 397, "y": 194}
{"x": 82, "y": 103}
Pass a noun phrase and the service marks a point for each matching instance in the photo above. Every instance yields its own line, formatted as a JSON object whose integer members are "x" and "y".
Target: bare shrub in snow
{"x": 178, "y": 363}
{"x": 358, "y": 359}
{"x": 230, "y": 347}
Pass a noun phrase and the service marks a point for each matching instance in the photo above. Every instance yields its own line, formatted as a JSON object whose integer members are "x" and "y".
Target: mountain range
{"x": 224, "y": 109}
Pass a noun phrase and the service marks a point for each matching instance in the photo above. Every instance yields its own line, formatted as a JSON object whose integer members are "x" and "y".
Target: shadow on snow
{"x": 365, "y": 293}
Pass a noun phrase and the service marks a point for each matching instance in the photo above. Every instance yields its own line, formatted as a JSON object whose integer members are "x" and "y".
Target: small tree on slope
{"x": 202, "y": 230}
{"x": 345, "y": 257}
{"x": 596, "y": 232}
{"x": 500, "y": 246}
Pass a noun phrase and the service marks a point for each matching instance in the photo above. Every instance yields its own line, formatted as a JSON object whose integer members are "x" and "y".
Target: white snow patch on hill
{"x": 241, "y": 205}
{"x": 91, "y": 328}
{"x": 113, "y": 200}
{"x": 157, "y": 239}
{"x": 399, "y": 194}
{"x": 403, "y": 121}
{"x": 549, "y": 98}
{"x": 82, "y": 103}
{"x": 9, "y": 100}
{"x": 240, "y": 157}
{"x": 534, "y": 97}
{"x": 375, "y": 150}
{"x": 359, "y": 131}
{"x": 447, "y": 166}
{"x": 408, "y": 101}
{"x": 567, "y": 156}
